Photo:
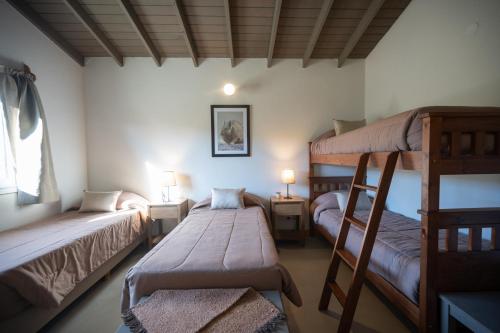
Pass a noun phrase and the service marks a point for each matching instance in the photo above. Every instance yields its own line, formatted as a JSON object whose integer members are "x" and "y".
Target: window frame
{"x": 8, "y": 189}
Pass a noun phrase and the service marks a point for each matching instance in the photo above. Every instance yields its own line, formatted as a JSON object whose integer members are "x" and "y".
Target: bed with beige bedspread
{"x": 41, "y": 263}
{"x": 213, "y": 248}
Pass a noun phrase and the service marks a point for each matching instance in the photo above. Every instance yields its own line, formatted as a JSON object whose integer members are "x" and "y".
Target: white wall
{"x": 443, "y": 52}
{"x": 141, "y": 118}
{"x": 60, "y": 84}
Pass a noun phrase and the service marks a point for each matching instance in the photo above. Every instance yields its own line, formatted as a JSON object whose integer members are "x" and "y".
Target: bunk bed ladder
{"x": 359, "y": 265}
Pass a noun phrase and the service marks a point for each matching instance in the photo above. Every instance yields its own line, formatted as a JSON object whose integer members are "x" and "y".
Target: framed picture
{"x": 230, "y": 130}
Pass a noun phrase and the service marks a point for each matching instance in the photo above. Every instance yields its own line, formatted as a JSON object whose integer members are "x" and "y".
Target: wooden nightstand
{"x": 288, "y": 207}
{"x": 165, "y": 210}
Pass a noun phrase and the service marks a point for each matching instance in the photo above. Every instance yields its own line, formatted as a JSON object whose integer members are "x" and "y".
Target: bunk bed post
{"x": 431, "y": 143}
{"x": 311, "y": 191}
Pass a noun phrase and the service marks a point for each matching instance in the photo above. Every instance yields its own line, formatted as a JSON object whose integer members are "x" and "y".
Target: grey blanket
{"x": 226, "y": 248}
{"x": 396, "y": 253}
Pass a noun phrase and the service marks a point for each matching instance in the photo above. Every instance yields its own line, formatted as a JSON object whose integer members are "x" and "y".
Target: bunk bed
{"x": 434, "y": 141}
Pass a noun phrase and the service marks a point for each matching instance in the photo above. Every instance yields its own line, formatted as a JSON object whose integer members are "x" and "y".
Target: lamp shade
{"x": 288, "y": 176}
{"x": 167, "y": 178}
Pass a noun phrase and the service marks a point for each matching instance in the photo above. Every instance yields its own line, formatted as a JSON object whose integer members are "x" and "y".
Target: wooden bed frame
{"x": 443, "y": 153}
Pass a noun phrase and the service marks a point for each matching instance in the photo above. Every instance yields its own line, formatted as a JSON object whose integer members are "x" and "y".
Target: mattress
{"x": 212, "y": 248}
{"x": 42, "y": 262}
{"x": 396, "y": 253}
{"x": 401, "y": 132}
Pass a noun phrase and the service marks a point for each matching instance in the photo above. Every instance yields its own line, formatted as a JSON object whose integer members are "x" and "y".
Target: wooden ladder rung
{"x": 337, "y": 292}
{"x": 356, "y": 222}
{"x": 366, "y": 187}
{"x": 347, "y": 257}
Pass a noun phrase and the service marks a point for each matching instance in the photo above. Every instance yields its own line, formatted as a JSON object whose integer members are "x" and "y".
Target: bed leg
{"x": 312, "y": 231}
{"x": 311, "y": 190}
{"x": 429, "y": 321}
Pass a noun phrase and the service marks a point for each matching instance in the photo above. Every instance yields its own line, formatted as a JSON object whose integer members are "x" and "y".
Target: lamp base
{"x": 288, "y": 196}
{"x": 167, "y": 198}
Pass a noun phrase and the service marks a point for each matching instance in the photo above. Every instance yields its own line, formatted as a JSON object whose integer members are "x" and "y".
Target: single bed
{"x": 46, "y": 265}
{"x": 213, "y": 248}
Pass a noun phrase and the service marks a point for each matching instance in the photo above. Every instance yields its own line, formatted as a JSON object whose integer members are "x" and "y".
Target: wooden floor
{"x": 98, "y": 309}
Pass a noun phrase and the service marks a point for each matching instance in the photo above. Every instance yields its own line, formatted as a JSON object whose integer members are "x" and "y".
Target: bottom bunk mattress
{"x": 42, "y": 262}
{"x": 212, "y": 248}
{"x": 396, "y": 253}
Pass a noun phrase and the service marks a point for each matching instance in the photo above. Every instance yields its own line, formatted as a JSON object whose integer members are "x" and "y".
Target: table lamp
{"x": 167, "y": 179}
{"x": 288, "y": 177}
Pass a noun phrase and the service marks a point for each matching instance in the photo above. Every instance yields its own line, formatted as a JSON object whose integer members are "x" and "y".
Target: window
{"x": 29, "y": 160}
{"x": 7, "y": 174}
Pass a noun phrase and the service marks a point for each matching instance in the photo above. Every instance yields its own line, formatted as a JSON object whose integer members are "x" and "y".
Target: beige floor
{"x": 98, "y": 310}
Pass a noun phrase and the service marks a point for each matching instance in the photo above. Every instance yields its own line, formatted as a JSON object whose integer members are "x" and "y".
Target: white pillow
{"x": 344, "y": 126}
{"x": 227, "y": 198}
{"x": 363, "y": 203}
{"x": 99, "y": 201}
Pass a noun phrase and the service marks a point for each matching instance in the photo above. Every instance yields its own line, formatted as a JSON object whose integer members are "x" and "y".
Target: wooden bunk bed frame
{"x": 442, "y": 153}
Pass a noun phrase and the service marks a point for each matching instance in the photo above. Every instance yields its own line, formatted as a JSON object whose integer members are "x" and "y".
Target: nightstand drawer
{"x": 162, "y": 212}
{"x": 288, "y": 208}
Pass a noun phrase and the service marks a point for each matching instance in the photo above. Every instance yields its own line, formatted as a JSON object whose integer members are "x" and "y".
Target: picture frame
{"x": 230, "y": 130}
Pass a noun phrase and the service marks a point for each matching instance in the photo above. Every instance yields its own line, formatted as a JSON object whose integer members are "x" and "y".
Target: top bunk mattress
{"x": 401, "y": 132}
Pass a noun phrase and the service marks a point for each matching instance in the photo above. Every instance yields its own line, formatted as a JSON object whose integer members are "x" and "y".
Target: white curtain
{"x": 29, "y": 139}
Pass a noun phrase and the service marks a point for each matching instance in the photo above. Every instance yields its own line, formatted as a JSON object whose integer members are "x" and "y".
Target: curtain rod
{"x": 25, "y": 69}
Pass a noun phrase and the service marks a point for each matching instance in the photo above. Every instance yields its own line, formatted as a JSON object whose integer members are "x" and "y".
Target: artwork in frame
{"x": 230, "y": 130}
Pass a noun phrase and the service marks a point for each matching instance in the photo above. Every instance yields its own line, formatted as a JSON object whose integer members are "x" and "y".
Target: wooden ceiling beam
{"x": 87, "y": 21}
{"x": 188, "y": 37}
{"x": 141, "y": 31}
{"x": 35, "y": 19}
{"x": 274, "y": 32}
{"x": 365, "y": 21}
{"x": 318, "y": 27}
{"x": 227, "y": 15}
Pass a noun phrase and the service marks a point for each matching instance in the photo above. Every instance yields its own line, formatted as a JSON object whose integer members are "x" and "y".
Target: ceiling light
{"x": 229, "y": 89}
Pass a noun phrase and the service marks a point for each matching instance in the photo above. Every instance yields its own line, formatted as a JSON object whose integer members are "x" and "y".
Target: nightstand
{"x": 293, "y": 207}
{"x": 165, "y": 210}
